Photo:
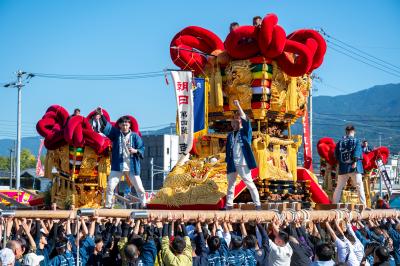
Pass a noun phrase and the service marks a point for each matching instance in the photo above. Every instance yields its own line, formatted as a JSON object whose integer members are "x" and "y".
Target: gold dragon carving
{"x": 238, "y": 81}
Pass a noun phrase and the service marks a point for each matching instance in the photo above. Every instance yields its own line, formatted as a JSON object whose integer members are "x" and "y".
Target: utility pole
{"x": 18, "y": 84}
{"x": 11, "y": 166}
{"x": 151, "y": 174}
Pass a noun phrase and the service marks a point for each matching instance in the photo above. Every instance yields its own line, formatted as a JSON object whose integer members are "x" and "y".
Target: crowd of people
{"x": 221, "y": 241}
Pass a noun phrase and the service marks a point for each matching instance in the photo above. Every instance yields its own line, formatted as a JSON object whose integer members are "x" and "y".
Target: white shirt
{"x": 343, "y": 248}
{"x": 279, "y": 256}
{"x": 238, "y": 157}
{"x": 125, "y": 152}
{"x": 358, "y": 246}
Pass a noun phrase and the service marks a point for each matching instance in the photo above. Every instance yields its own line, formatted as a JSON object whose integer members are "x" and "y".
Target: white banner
{"x": 183, "y": 83}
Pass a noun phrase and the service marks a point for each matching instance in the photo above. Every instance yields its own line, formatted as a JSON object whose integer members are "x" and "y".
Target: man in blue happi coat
{"x": 239, "y": 157}
{"x": 127, "y": 150}
{"x": 348, "y": 153}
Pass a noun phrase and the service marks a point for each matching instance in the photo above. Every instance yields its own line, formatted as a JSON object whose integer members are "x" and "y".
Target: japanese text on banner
{"x": 184, "y": 99}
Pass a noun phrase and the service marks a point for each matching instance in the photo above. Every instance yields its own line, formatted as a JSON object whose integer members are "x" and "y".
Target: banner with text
{"x": 183, "y": 83}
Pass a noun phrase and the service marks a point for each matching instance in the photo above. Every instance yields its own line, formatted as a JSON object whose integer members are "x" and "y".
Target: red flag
{"x": 39, "y": 167}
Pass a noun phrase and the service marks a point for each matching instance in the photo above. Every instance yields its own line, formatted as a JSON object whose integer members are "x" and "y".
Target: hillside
{"x": 30, "y": 143}
{"x": 375, "y": 112}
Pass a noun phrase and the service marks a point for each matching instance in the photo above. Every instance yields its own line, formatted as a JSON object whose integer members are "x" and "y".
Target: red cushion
{"x": 241, "y": 43}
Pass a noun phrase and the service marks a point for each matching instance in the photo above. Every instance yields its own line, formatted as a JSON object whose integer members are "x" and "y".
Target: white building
{"x": 164, "y": 151}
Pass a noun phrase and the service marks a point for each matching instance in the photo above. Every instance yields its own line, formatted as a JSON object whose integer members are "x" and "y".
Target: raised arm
{"x": 330, "y": 231}
{"x": 28, "y": 234}
{"x": 84, "y": 227}
{"x": 92, "y": 226}
{"x": 240, "y": 110}
{"x": 263, "y": 233}
{"x": 243, "y": 227}
{"x": 201, "y": 248}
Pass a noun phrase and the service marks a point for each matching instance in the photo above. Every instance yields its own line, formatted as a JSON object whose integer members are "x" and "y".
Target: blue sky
{"x": 113, "y": 37}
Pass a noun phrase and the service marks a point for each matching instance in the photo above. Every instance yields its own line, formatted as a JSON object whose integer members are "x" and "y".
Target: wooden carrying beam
{"x": 267, "y": 215}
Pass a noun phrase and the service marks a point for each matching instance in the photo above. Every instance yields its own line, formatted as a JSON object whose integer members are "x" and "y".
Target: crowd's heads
{"x": 15, "y": 246}
{"x": 324, "y": 252}
{"x": 381, "y": 254}
{"x": 61, "y": 245}
{"x": 31, "y": 259}
{"x": 23, "y": 243}
{"x": 7, "y": 257}
{"x": 178, "y": 245}
{"x": 43, "y": 237}
{"x": 98, "y": 242}
{"x": 236, "y": 242}
{"x": 206, "y": 233}
{"x": 131, "y": 252}
{"x": 249, "y": 241}
{"x": 281, "y": 239}
{"x": 214, "y": 243}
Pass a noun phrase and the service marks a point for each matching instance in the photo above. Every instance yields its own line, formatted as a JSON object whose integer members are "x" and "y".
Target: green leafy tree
{"x": 4, "y": 163}
{"x": 28, "y": 160}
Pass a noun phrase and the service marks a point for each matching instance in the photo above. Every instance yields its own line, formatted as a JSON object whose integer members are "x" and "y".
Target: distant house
{"x": 28, "y": 176}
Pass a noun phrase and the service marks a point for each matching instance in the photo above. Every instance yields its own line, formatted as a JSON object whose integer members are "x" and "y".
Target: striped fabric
{"x": 261, "y": 90}
{"x": 261, "y": 75}
{"x": 261, "y": 67}
{"x": 254, "y": 105}
{"x": 261, "y": 83}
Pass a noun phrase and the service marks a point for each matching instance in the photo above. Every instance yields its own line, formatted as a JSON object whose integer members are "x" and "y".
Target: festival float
{"x": 270, "y": 73}
{"x": 78, "y": 159}
{"x": 371, "y": 162}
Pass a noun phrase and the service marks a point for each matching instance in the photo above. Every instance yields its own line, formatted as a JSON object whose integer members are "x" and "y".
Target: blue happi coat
{"x": 246, "y": 138}
{"x": 348, "y": 150}
{"x": 115, "y": 135}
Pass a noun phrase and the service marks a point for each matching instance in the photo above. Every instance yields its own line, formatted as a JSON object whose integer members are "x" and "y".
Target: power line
{"x": 365, "y": 125}
{"x": 364, "y": 57}
{"x": 366, "y": 63}
{"x": 339, "y": 114}
{"x": 360, "y": 56}
{"x": 100, "y": 77}
{"x": 355, "y": 48}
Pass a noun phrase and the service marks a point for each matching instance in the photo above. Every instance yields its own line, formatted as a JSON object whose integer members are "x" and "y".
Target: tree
{"x": 28, "y": 160}
{"x": 4, "y": 163}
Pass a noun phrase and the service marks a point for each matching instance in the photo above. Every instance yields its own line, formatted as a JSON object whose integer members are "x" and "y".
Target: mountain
{"x": 30, "y": 143}
{"x": 375, "y": 113}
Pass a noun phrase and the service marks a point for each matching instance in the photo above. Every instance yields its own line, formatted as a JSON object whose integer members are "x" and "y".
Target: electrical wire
{"x": 331, "y": 114}
{"x": 364, "y": 57}
{"x": 100, "y": 77}
{"x": 355, "y": 48}
{"x": 366, "y": 63}
{"x": 360, "y": 56}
